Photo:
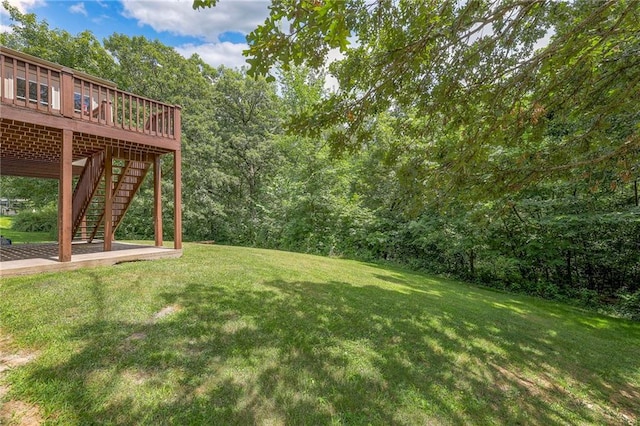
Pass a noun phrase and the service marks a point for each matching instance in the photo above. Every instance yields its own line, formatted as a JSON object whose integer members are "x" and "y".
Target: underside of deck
{"x": 26, "y": 259}
{"x": 99, "y": 142}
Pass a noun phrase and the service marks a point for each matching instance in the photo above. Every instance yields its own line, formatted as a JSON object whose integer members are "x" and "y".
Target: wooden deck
{"x": 58, "y": 123}
{"x": 26, "y": 259}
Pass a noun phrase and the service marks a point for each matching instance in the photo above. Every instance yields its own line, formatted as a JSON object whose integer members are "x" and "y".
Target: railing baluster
{"x": 37, "y": 84}
{"x": 15, "y": 82}
{"x": 90, "y": 102}
{"x": 3, "y": 94}
{"x": 164, "y": 124}
{"x": 144, "y": 115}
{"x": 155, "y": 117}
{"x": 71, "y": 94}
{"x": 49, "y": 92}
{"x": 114, "y": 109}
{"x": 108, "y": 107}
{"x": 123, "y": 115}
{"x": 100, "y": 106}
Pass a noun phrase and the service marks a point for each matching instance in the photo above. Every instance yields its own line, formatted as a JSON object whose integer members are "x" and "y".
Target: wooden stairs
{"x": 89, "y": 196}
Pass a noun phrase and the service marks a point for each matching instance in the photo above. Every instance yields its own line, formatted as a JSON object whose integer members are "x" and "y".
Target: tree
{"x": 82, "y": 51}
{"x": 159, "y": 72}
{"x": 471, "y": 81}
{"x": 248, "y": 114}
{"x": 39, "y": 192}
{"x": 155, "y": 70}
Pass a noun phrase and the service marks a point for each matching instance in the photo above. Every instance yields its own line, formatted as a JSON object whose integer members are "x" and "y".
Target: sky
{"x": 217, "y": 35}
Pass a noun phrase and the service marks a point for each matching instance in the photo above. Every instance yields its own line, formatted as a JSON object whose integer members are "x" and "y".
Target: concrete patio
{"x": 25, "y": 259}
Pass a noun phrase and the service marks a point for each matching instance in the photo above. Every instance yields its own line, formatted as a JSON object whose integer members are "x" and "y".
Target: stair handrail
{"x": 86, "y": 187}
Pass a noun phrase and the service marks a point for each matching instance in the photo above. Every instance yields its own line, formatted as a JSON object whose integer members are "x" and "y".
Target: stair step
{"x": 126, "y": 179}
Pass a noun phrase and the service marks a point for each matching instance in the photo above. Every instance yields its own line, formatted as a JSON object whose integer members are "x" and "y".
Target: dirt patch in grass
{"x": 15, "y": 412}
{"x": 136, "y": 336}
{"x": 8, "y": 361}
{"x": 540, "y": 388}
{"x": 165, "y": 312}
{"x": 162, "y": 313}
{"x": 624, "y": 400}
{"x": 544, "y": 388}
{"x": 10, "y": 357}
{"x": 20, "y": 413}
{"x": 4, "y": 389}
{"x": 137, "y": 377}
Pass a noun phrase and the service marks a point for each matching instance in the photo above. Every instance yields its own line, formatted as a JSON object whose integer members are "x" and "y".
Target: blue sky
{"x": 217, "y": 35}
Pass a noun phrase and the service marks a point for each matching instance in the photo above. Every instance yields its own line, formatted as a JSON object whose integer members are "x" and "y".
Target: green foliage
{"x": 38, "y": 220}
{"x": 159, "y": 72}
{"x": 39, "y": 192}
{"x": 228, "y": 150}
{"x": 630, "y": 305}
{"x": 82, "y": 52}
{"x": 473, "y": 84}
{"x": 204, "y": 3}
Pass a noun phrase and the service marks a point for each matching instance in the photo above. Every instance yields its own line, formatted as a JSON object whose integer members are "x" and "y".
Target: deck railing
{"x": 33, "y": 83}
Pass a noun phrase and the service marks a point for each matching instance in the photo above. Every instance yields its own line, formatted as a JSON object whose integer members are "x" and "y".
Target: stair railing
{"x": 86, "y": 187}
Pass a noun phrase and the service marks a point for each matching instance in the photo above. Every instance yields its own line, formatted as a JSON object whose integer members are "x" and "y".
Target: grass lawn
{"x": 17, "y": 237}
{"x": 229, "y": 335}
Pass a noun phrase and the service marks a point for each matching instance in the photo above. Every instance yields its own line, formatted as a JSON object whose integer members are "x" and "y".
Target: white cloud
{"x": 100, "y": 19}
{"x": 178, "y": 17}
{"x": 24, "y": 5}
{"x": 78, "y": 8}
{"x": 215, "y": 54}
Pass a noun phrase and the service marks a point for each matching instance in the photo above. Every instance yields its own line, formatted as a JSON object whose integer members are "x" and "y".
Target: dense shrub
{"x": 630, "y": 305}
{"x": 40, "y": 220}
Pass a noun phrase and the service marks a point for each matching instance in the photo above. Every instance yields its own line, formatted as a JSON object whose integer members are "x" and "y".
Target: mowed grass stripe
{"x": 236, "y": 336}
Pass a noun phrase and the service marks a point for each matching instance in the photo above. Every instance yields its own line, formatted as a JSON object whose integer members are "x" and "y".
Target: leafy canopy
{"x": 82, "y": 51}
{"x": 495, "y": 95}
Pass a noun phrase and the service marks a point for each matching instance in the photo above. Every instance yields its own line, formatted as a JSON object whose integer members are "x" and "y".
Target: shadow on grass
{"x": 316, "y": 353}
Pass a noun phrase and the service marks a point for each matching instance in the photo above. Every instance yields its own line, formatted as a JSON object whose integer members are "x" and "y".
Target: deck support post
{"x": 67, "y": 85}
{"x": 65, "y": 198}
{"x": 177, "y": 199}
{"x": 108, "y": 199}
{"x": 177, "y": 179}
{"x": 157, "y": 201}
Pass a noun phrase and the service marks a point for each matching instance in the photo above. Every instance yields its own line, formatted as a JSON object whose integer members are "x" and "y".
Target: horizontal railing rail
{"x": 40, "y": 85}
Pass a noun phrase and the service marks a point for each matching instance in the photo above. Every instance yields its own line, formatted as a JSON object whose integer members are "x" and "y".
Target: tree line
{"x": 283, "y": 164}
